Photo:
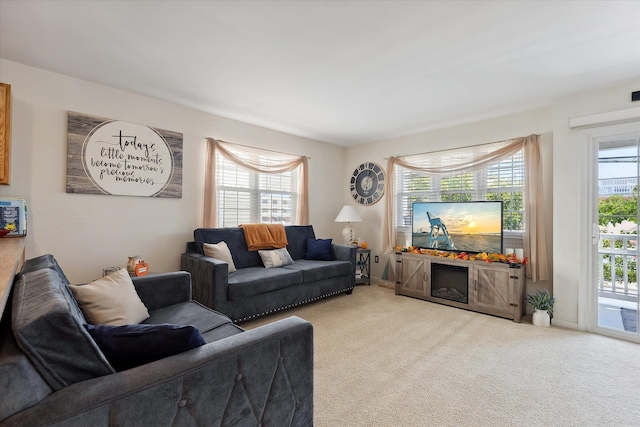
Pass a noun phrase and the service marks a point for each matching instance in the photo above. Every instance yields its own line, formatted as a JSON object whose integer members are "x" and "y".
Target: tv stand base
{"x": 492, "y": 288}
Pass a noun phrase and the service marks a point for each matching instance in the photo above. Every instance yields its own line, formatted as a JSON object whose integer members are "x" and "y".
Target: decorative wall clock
{"x": 367, "y": 183}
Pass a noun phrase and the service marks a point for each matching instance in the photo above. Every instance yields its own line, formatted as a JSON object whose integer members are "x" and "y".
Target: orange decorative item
{"x": 483, "y": 256}
{"x": 364, "y": 245}
{"x": 142, "y": 268}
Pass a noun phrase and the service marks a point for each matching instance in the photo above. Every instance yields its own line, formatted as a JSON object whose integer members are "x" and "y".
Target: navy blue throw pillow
{"x": 128, "y": 346}
{"x": 319, "y": 249}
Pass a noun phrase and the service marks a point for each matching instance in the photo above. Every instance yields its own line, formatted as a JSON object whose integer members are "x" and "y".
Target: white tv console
{"x": 493, "y": 288}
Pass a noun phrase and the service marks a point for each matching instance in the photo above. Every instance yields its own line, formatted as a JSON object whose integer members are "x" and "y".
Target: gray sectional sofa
{"x": 52, "y": 373}
{"x": 253, "y": 290}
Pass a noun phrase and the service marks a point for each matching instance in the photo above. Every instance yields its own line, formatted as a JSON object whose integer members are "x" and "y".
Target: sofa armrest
{"x": 210, "y": 279}
{"x": 346, "y": 253}
{"x": 164, "y": 289}
{"x": 261, "y": 375}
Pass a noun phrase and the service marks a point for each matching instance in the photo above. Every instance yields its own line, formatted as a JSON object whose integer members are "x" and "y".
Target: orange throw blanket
{"x": 264, "y": 236}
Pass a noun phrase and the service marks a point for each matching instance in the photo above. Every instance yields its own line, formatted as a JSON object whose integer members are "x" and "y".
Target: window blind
{"x": 501, "y": 180}
{"x": 253, "y": 197}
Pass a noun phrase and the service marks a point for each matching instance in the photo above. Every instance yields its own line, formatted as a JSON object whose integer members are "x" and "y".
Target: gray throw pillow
{"x": 275, "y": 258}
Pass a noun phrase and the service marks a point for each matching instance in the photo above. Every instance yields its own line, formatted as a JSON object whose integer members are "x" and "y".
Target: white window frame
{"x": 433, "y": 191}
{"x": 253, "y": 191}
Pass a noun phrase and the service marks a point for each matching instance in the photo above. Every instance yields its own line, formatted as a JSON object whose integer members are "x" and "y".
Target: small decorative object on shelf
{"x": 511, "y": 258}
{"x": 109, "y": 270}
{"x": 131, "y": 264}
{"x": 142, "y": 268}
{"x": 360, "y": 244}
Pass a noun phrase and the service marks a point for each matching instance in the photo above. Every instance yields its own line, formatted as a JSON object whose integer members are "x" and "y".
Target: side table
{"x": 363, "y": 265}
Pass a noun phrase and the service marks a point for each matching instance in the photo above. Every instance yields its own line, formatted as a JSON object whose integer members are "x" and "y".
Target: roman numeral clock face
{"x": 367, "y": 183}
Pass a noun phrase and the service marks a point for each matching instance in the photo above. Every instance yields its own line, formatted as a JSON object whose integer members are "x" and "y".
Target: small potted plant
{"x": 542, "y": 303}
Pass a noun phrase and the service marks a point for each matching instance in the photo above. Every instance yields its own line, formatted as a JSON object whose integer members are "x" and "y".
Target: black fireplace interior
{"x": 450, "y": 282}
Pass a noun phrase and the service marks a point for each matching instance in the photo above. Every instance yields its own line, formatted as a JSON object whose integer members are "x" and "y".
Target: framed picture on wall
{"x": 113, "y": 157}
{"x": 5, "y": 133}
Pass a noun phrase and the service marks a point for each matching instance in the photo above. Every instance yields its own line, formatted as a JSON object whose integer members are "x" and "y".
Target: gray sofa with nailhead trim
{"x": 253, "y": 290}
{"x": 53, "y": 374}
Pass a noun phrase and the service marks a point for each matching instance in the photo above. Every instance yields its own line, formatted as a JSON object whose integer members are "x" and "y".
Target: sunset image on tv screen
{"x": 459, "y": 226}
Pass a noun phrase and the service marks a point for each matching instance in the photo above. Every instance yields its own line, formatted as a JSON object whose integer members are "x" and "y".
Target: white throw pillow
{"x": 112, "y": 300}
{"x": 220, "y": 251}
{"x": 275, "y": 258}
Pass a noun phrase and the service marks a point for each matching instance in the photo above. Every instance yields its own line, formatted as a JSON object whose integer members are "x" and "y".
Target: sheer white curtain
{"x": 284, "y": 163}
{"x": 534, "y": 233}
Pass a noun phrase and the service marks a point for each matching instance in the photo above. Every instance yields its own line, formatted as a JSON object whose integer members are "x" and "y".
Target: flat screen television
{"x": 471, "y": 227}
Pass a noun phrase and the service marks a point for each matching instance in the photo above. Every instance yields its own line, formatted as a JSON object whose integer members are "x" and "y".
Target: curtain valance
{"x": 242, "y": 156}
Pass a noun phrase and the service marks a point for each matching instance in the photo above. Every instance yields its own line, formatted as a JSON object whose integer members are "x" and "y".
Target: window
{"x": 245, "y": 196}
{"x": 502, "y": 180}
{"x": 505, "y": 181}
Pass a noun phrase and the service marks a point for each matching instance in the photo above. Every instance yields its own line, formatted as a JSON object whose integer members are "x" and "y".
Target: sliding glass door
{"x": 615, "y": 232}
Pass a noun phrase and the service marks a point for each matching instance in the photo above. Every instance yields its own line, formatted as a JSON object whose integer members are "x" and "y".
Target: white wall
{"x": 537, "y": 121}
{"x": 89, "y": 232}
{"x": 570, "y": 200}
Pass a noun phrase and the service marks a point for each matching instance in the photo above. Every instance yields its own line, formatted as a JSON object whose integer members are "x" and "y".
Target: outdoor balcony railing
{"x": 618, "y": 262}
{"x": 623, "y": 186}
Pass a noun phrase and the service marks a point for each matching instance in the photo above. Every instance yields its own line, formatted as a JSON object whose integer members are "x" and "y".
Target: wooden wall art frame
{"x": 5, "y": 133}
{"x": 113, "y": 157}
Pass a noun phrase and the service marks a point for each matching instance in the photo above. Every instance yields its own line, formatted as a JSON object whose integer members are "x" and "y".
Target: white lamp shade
{"x": 348, "y": 214}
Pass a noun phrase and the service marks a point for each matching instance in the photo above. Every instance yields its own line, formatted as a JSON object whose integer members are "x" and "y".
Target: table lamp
{"x": 348, "y": 214}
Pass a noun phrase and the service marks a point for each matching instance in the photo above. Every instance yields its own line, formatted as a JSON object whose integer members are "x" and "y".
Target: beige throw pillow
{"x": 220, "y": 251}
{"x": 112, "y": 300}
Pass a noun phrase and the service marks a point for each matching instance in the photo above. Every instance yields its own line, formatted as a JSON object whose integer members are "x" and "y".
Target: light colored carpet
{"x": 387, "y": 360}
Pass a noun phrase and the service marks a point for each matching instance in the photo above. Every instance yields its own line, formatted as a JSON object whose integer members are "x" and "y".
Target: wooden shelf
{"x": 491, "y": 288}
{"x": 11, "y": 259}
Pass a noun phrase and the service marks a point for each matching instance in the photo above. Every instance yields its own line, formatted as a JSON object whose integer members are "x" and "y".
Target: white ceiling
{"x": 344, "y": 72}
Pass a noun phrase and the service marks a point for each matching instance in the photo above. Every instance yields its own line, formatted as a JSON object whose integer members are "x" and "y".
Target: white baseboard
{"x": 564, "y": 324}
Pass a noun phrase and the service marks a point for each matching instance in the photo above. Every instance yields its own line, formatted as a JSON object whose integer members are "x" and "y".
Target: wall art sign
{"x": 118, "y": 158}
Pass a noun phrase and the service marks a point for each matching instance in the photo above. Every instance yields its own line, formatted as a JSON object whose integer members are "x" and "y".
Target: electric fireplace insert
{"x": 450, "y": 282}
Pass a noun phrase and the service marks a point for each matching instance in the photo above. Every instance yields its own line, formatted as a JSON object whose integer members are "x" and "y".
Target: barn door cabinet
{"x": 495, "y": 288}
{"x": 414, "y": 280}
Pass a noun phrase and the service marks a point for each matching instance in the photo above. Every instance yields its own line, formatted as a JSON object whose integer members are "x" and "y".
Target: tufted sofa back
{"x": 44, "y": 344}
{"x": 242, "y": 257}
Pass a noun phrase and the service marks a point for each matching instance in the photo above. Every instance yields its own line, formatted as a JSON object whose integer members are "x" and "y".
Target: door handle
{"x": 595, "y": 233}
